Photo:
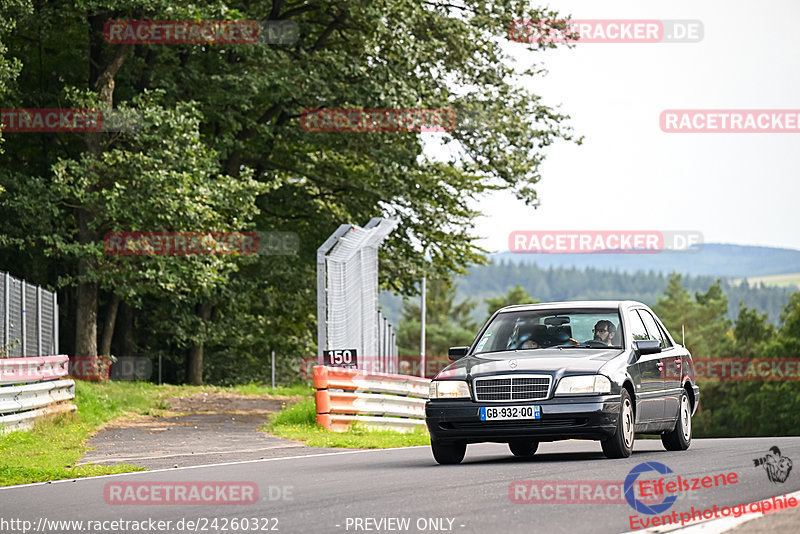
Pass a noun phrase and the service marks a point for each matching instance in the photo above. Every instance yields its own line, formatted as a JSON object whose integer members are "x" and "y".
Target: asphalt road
{"x": 331, "y": 492}
{"x": 213, "y": 428}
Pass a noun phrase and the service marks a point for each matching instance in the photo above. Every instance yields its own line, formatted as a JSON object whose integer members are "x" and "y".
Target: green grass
{"x": 298, "y": 422}
{"x": 50, "y": 450}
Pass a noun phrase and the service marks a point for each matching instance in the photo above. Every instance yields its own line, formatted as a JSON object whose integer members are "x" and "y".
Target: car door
{"x": 669, "y": 365}
{"x": 650, "y": 386}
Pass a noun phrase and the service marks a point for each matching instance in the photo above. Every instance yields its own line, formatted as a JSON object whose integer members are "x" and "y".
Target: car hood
{"x": 551, "y": 360}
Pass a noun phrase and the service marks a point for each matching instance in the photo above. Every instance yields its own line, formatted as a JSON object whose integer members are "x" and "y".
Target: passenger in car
{"x": 534, "y": 335}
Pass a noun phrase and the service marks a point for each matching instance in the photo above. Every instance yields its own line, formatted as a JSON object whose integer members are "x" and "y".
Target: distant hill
{"x": 642, "y": 277}
{"x": 729, "y": 261}
{"x": 561, "y": 283}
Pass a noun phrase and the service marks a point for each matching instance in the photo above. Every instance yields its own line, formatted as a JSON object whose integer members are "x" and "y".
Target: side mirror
{"x": 646, "y": 347}
{"x": 456, "y": 353}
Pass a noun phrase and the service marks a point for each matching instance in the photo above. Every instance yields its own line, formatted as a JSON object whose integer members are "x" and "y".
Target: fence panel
{"x": 28, "y": 319}
{"x": 14, "y": 342}
{"x": 3, "y": 315}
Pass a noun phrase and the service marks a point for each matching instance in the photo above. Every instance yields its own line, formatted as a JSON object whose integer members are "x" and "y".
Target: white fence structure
{"x": 28, "y": 319}
{"x": 378, "y": 400}
{"x": 347, "y": 296}
{"x": 31, "y": 388}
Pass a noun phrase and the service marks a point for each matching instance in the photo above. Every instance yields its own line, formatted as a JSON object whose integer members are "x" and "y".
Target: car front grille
{"x": 512, "y": 388}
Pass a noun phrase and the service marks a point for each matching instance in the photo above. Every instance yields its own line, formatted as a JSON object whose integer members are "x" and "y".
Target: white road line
{"x": 191, "y": 454}
{"x": 173, "y": 469}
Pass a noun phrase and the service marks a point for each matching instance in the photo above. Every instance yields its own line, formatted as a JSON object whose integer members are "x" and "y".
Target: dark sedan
{"x": 546, "y": 372}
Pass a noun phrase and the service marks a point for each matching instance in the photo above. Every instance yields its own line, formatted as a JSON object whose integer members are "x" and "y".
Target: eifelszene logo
{"x": 637, "y": 504}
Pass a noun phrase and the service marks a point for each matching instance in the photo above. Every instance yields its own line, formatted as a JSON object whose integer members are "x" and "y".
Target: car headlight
{"x": 576, "y": 385}
{"x": 449, "y": 389}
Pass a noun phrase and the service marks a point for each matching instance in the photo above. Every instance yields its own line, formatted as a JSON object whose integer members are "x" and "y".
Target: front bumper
{"x": 592, "y": 417}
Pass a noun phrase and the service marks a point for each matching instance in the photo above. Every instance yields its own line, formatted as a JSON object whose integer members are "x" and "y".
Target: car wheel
{"x": 449, "y": 453}
{"x": 681, "y": 436}
{"x": 523, "y": 447}
{"x": 620, "y": 445}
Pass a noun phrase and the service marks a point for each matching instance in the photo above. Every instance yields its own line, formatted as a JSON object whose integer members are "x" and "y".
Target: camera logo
{"x": 639, "y": 505}
{"x": 777, "y": 467}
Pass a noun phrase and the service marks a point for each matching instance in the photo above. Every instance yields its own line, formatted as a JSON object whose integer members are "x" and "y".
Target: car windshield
{"x": 537, "y": 329}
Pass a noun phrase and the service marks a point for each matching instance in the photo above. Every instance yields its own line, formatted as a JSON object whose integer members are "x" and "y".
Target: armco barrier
{"x": 378, "y": 400}
{"x": 21, "y": 370}
{"x": 37, "y": 390}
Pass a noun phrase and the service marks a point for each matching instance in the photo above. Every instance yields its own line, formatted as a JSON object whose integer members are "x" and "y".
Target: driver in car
{"x": 604, "y": 332}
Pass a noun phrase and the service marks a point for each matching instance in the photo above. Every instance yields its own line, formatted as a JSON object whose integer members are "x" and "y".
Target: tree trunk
{"x": 86, "y": 320}
{"x": 101, "y": 79}
{"x": 125, "y": 343}
{"x": 86, "y": 299}
{"x": 194, "y": 363}
{"x": 108, "y": 325}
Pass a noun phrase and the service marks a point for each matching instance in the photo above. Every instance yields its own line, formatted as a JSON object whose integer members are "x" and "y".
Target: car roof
{"x": 577, "y": 304}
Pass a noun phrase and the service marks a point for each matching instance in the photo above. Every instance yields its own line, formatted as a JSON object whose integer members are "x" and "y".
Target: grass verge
{"x": 50, "y": 450}
{"x": 299, "y": 422}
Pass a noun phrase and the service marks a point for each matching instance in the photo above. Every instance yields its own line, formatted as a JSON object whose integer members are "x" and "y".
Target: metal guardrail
{"x": 37, "y": 390}
{"x": 21, "y": 370}
{"x": 378, "y": 400}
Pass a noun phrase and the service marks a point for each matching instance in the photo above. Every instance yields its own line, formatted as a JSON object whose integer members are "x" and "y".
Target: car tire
{"x": 448, "y": 452}
{"x": 620, "y": 445}
{"x": 680, "y": 437}
{"x": 523, "y": 447}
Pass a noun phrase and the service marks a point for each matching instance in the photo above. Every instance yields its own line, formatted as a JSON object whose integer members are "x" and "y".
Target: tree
{"x": 675, "y": 308}
{"x": 9, "y": 67}
{"x": 447, "y": 323}
{"x": 751, "y": 331}
{"x": 703, "y": 318}
{"x": 711, "y": 330}
{"x": 376, "y": 54}
{"x": 786, "y": 343}
{"x": 515, "y": 295}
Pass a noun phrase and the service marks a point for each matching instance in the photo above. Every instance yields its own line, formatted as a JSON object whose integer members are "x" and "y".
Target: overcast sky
{"x": 628, "y": 174}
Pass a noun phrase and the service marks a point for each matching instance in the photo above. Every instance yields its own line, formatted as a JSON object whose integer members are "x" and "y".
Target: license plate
{"x": 492, "y": 413}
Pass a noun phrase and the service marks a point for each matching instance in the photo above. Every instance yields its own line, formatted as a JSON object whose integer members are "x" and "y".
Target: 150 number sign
{"x": 340, "y": 358}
